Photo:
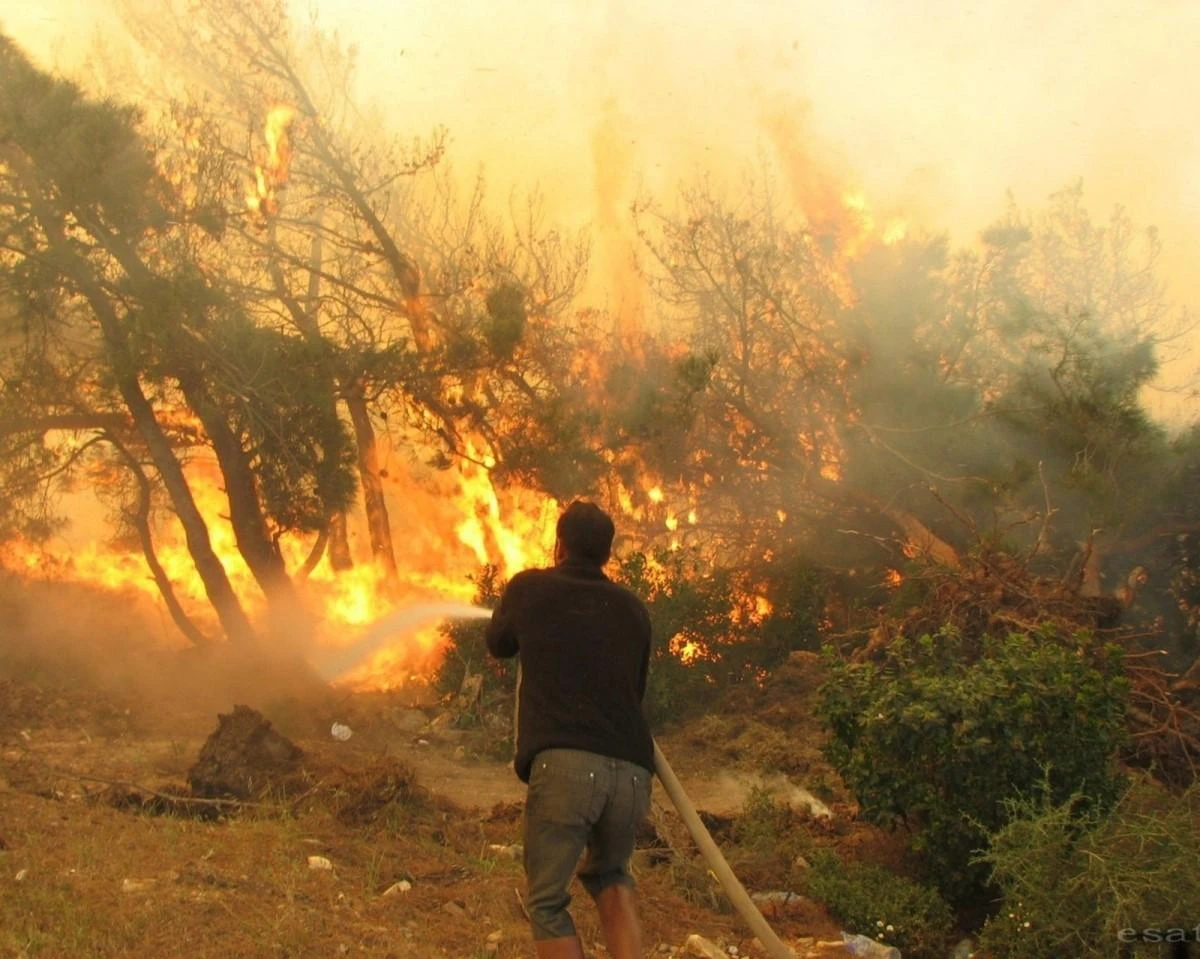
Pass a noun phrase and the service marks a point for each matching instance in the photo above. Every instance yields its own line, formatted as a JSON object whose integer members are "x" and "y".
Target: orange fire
{"x": 686, "y": 650}
{"x": 272, "y": 170}
{"x": 458, "y": 520}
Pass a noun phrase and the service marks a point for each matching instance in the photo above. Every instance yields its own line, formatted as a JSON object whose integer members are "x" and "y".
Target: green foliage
{"x": 506, "y": 319}
{"x": 708, "y": 634}
{"x": 875, "y": 902}
{"x": 1072, "y": 877}
{"x": 764, "y": 822}
{"x": 944, "y": 731}
{"x": 303, "y": 455}
{"x": 91, "y": 152}
{"x": 466, "y": 649}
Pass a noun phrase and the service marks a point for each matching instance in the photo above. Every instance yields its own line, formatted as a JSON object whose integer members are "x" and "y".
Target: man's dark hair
{"x": 586, "y": 532}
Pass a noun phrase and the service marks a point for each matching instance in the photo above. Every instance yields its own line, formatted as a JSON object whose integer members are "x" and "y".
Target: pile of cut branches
{"x": 991, "y": 592}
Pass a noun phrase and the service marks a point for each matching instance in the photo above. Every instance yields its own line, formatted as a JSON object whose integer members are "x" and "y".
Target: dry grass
{"x": 102, "y": 881}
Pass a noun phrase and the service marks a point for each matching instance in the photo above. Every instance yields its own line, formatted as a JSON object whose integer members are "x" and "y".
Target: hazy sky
{"x": 933, "y": 108}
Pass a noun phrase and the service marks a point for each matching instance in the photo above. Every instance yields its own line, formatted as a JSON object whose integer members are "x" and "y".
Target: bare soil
{"x": 105, "y": 850}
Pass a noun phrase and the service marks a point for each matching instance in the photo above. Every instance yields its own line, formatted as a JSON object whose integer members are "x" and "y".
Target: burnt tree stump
{"x": 244, "y": 758}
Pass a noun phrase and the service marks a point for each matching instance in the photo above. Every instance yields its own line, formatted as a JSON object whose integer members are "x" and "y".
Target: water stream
{"x": 380, "y": 634}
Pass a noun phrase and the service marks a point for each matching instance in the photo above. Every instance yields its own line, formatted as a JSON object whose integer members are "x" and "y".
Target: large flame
{"x": 454, "y": 523}
{"x": 273, "y": 167}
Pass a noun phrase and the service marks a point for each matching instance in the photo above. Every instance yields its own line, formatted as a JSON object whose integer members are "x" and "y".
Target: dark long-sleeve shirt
{"x": 584, "y": 646}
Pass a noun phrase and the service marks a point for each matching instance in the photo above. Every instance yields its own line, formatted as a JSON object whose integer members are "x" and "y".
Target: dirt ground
{"x": 399, "y": 841}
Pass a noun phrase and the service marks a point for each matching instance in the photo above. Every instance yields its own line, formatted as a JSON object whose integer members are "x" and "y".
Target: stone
{"x": 702, "y": 948}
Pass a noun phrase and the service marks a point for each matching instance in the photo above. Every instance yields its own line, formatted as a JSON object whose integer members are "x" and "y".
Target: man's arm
{"x": 501, "y": 632}
{"x": 648, "y": 633}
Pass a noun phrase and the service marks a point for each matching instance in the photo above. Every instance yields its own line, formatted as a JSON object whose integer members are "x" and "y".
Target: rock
{"x": 470, "y": 691}
{"x": 495, "y": 936}
{"x": 21, "y": 874}
{"x": 802, "y": 864}
{"x": 408, "y": 720}
{"x": 702, "y": 948}
{"x": 137, "y": 885}
{"x": 397, "y": 887}
{"x": 319, "y": 863}
{"x": 460, "y": 753}
{"x": 780, "y": 903}
{"x": 867, "y": 948}
{"x": 513, "y": 851}
{"x": 455, "y": 909}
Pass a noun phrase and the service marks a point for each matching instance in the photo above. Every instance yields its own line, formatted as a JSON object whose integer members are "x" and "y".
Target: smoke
{"x": 403, "y": 622}
{"x": 934, "y": 113}
{"x": 937, "y": 110}
{"x": 92, "y": 643}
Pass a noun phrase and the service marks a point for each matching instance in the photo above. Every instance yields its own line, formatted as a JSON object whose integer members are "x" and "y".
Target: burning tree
{"x": 124, "y": 333}
{"x": 447, "y": 329}
{"x": 816, "y": 386}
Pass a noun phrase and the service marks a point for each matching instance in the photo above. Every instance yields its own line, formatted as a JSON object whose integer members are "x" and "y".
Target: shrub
{"x": 937, "y": 738}
{"x": 875, "y": 902}
{"x": 466, "y": 651}
{"x": 1071, "y": 879}
{"x": 714, "y": 614}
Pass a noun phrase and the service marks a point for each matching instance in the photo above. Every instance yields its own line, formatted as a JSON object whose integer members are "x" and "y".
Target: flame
{"x": 272, "y": 170}
{"x": 512, "y": 548}
{"x": 892, "y": 578}
{"x": 684, "y": 649}
{"x": 459, "y": 522}
{"x": 831, "y": 471}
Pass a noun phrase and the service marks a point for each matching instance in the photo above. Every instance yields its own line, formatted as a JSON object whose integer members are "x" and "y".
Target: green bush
{"x": 689, "y": 602}
{"x": 714, "y": 610}
{"x": 1071, "y": 879}
{"x": 941, "y": 733}
{"x": 878, "y": 903}
{"x": 466, "y": 650}
{"x": 764, "y": 823}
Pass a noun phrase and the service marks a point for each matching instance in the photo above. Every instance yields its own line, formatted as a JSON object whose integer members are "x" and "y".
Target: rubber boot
{"x": 565, "y": 947}
{"x": 617, "y": 906}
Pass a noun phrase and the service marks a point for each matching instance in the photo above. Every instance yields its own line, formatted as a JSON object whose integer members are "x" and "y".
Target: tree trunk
{"x": 918, "y": 539}
{"x": 378, "y": 524}
{"x": 339, "y": 544}
{"x": 217, "y": 587}
{"x": 245, "y": 511}
{"x": 314, "y": 555}
{"x": 140, "y": 518}
{"x": 304, "y": 317}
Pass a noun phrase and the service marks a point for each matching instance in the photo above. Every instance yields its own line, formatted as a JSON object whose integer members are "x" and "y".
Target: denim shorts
{"x": 578, "y": 801}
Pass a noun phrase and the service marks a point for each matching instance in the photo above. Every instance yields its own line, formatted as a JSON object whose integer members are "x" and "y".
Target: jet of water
{"x": 379, "y": 634}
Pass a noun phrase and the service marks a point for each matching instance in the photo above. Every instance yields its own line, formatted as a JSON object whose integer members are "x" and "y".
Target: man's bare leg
{"x": 565, "y": 947}
{"x": 619, "y": 923}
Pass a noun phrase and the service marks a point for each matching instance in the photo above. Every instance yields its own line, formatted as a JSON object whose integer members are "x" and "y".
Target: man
{"x": 583, "y": 744}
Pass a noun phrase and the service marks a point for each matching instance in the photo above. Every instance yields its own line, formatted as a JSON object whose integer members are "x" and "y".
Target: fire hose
{"x": 736, "y": 892}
